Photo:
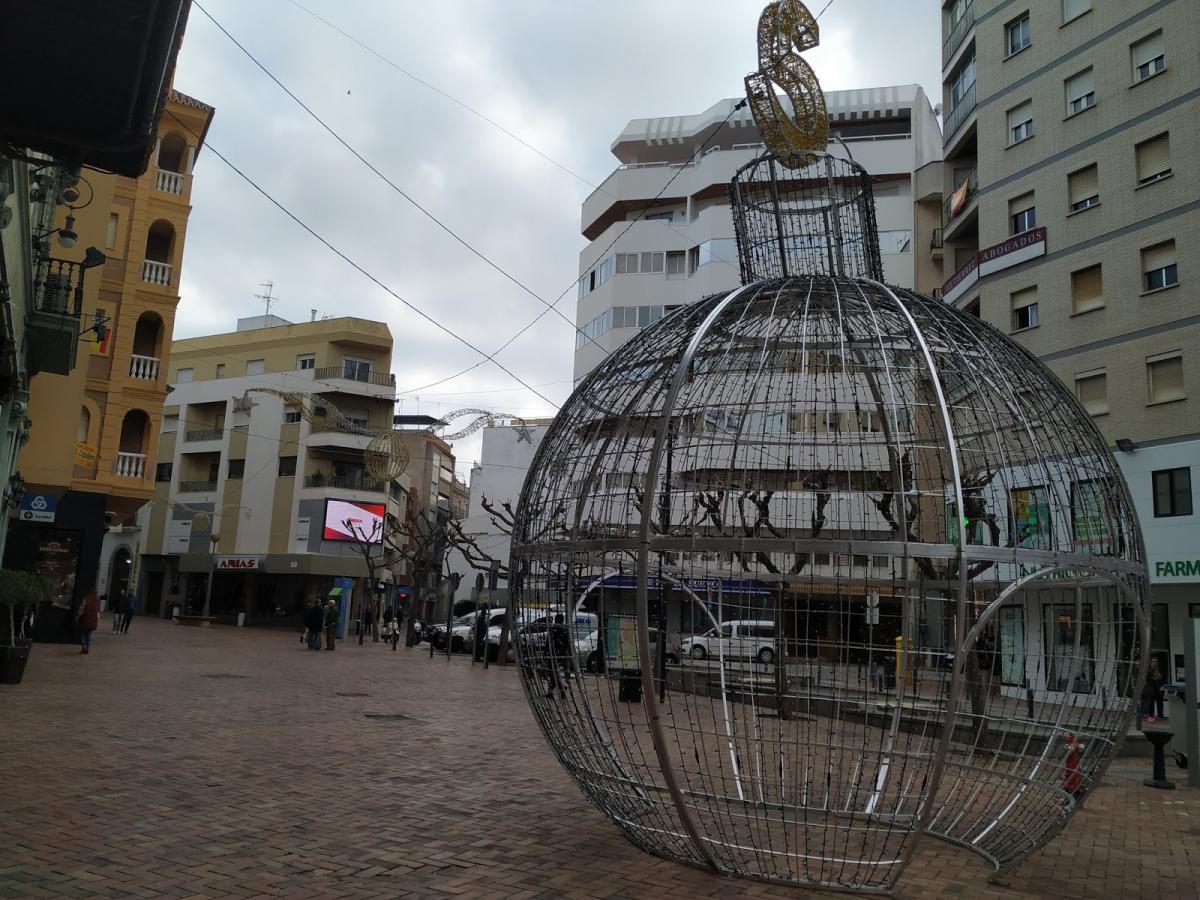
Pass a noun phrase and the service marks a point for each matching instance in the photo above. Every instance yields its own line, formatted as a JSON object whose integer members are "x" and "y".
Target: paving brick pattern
{"x": 187, "y": 762}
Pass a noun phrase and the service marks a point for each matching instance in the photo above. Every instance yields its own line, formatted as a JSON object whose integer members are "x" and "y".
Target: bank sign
{"x": 1177, "y": 568}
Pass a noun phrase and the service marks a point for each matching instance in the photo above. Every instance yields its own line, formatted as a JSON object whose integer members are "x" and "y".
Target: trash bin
{"x": 630, "y": 690}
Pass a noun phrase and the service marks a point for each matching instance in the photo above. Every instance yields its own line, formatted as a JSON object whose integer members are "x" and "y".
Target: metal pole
{"x": 1190, "y": 698}
{"x": 493, "y": 580}
{"x": 212, "y": 573}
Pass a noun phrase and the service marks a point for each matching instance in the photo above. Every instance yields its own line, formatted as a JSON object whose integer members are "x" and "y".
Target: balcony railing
{"x": 130, "y": 465}
{"x": 155, "y": 272}
{"x": 143, "y": 368}
{"x": 207, "y": 434}
{"x": 197, "y": 487}
{"x": 58, "y": 287}
{"x": 958, "y": 34}
{"x": 169, "y": 182}
{"x": 935, "y": 241}
{"x": 972, "y": 182}
{"x": 959, "y": 114}
{"x": 386, "y": 380}
{"x": 344, "y": 483}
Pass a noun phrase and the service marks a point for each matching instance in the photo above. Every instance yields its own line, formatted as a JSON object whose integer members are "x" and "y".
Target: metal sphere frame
{"x": 840, "y": 567}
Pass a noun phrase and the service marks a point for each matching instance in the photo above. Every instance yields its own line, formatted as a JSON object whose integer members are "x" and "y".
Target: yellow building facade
{"x": 95, "y": 428}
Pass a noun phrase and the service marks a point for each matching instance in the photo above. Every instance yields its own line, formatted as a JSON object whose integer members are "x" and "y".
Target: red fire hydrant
{"x": 1072, "y": 777}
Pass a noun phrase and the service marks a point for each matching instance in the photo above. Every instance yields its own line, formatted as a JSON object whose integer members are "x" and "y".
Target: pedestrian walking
{"x": 314, "y": 621}
{"x": 558, "y": 644}
{"x": 331, "y": 618}
{"x": 128, "y": 608}
{"x": 87, "y": 617}
{"x": 1152, "y": 700}
{"x": 391, "y": 628}
{"x": 114, "y": 608}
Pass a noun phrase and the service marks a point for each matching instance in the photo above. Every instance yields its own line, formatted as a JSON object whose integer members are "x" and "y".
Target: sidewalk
{"x": 223, "y": 762}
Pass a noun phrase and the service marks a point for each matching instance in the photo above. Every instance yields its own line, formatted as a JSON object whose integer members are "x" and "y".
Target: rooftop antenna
{"x": 266, "y": 296}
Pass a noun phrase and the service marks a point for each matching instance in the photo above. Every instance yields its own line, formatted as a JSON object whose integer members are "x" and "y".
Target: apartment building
{"x": 106, "y": 288}
{"x": 274, "y": 507}
{"x": 681, "y": 247}
{"x": 1071, "y": 137}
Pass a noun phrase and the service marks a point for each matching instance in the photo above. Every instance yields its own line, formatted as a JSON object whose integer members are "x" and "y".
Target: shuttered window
{"x": 1083, "y": 188}
{"x": 1024, "y": 309}
{"x": 1087, "y": 289}
{"x": 1021, "y": 213}
{"x": 1072, "y": 9}
{"x": 1081, "y": 92}
{"x": 1020, "y": 122}
{"x": 1164, "y": 374}
{"x": 1154, "y": 158}
{"x": 1147, "y": 57}
{"x": 1092, "y": 390}
{"x": 1158, "y": 266}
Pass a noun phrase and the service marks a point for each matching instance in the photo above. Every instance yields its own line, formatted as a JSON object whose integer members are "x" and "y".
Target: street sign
{"x": 38, "y": 508}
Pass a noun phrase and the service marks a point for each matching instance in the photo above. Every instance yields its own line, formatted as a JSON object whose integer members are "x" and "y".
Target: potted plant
{"x": 20, "y": 595}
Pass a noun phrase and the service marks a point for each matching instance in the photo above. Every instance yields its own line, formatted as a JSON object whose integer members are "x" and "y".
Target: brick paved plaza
{"x": 220, "y": 762}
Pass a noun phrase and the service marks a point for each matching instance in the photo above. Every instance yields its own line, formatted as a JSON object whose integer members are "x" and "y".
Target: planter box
{"x": 12, "y": 663}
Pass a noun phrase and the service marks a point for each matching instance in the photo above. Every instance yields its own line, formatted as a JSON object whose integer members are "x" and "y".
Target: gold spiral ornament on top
{"x": 786, "y": 28}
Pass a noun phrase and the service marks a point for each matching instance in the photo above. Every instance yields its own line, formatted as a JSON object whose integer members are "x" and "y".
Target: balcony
{"x": 959, "y": 114}
{"x": 130, "y": 465}
{"x": 345, "y": 483}
{"x": 935, "y": 244}
{"x": 958, "y": 34}
{"x": 53, "y": 325}
{"x": 169, "y": 182}
{"x": 379, "y": 378}
{"x": 155, "y": 272}
{"x": 952, "y": 207}
{"x": 197, "y": 487}
{"x": 207, "y": 434}
{"x": 143, "y": 368}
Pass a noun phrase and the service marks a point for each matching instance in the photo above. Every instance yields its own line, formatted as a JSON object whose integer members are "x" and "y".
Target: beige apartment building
{"x": 252, "y": 493}
{"x": 1072, "y": 134}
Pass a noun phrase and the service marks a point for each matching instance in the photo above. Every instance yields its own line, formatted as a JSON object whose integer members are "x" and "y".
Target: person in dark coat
{"x": 314, "y": 622}
{"x": 1152, "y": 691}
{"x": 128, "y": 608}
{"x": 331, "y": 619}
{"x": 558, "y": 644}
{"x": 87, "y": 617}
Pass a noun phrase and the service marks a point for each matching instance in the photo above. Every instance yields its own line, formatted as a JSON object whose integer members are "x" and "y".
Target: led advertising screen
{"x": 348, "y": 520}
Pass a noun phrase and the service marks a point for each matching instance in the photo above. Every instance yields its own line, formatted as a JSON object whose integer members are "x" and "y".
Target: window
{"x": 693, "y": 260}
{"x": 1081, "y": 92}
{"x": 291, "y": 416}
{"x": 356, "y": 369}
{"x": 1087, "y": 289}
{"x": 1158, "y": 267}
{"x": 110, "y": 235}
{"x": 1070, "y": 658}
{"x": 963, "y": 81}
{"x": 898, "y": 241}
{"x": 1024, "y": 309}
{"x": 1021, "y": 213}
{"x": 1073, "y": 9}
{"x": 183, "y": 376}
{"x": 306, "y": 361}
{"x": 256, "y": 366}
{"x": 287, "y": 466}
{"x": 220, "y": 370}
{"x": 1083, "y": 188}
{"x": 237, "y": 468}
{"x": 1147, "y": 57}
{"x": 1016, "y": 34}
{"x": 1092, "y": 390}
{"x": 627, "y": 263}
{"x": 1164, "y": 376}
{"x": 162, "y": 473}
{"x": 1020, "y": 122}
{"x": 653, "y": 263}
{"x": 675, "y": 262}
{"x": 1172, "y": 492}
{"x": 1154, "y": 158}
{"x": 668, "y": 216}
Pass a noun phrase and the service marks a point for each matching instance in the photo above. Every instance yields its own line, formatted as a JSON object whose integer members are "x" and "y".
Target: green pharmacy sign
{"x": 1180, "y": 568}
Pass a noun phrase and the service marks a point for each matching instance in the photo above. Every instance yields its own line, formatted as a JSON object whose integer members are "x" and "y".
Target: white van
{"x": 739, "y": 639}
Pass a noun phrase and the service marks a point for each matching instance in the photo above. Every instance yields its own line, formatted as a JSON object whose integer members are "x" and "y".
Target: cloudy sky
{"x": 564, "y": 76}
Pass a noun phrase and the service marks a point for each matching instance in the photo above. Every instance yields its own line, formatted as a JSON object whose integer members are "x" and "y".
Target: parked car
{"x": 495, "y": 619}
{"x": 618, "y": 656}
{"x": 739, "y": 639}
{"x": 458, "y": 632}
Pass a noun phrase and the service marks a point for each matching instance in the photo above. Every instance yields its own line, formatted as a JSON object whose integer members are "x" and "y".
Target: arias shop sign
{"x": 239, "y": 563}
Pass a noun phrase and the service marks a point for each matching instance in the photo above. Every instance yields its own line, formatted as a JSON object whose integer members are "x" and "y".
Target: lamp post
{"x": 212, "y": 572}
